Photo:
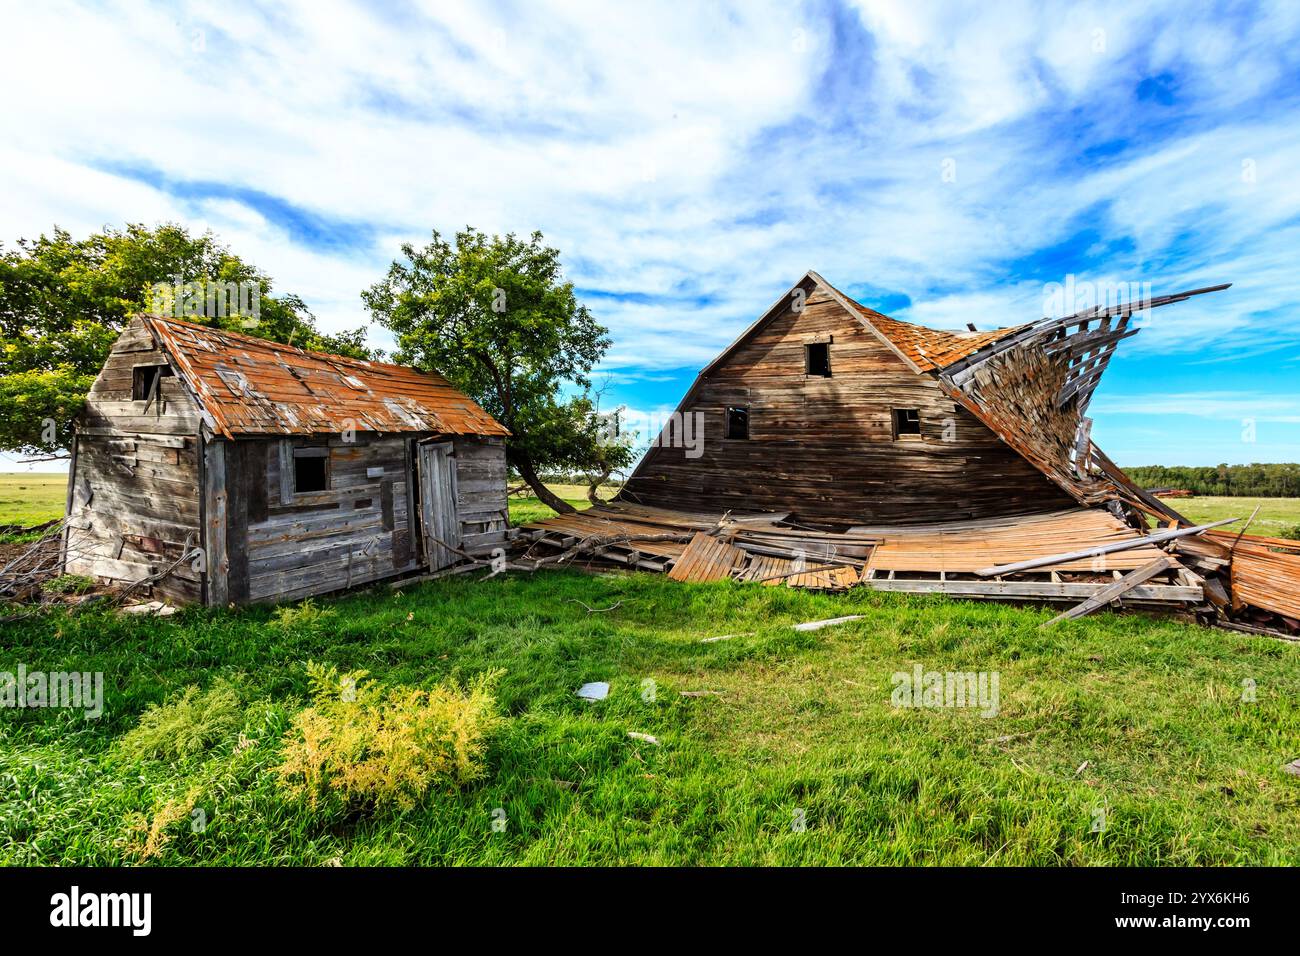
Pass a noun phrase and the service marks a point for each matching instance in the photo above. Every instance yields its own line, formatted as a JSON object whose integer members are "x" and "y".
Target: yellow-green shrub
{"x": 306, "y": 616}
{"x": 368, "y": 745}
{"x": 187, "y": 724}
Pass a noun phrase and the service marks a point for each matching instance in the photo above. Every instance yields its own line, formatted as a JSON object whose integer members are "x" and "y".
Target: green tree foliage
{"x": 64, "y": 301}
{"x": 1247, "y": 481}
{"x": 495, "y": 316}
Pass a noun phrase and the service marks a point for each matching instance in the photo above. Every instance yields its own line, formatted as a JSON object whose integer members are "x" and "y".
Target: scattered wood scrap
{"x": 943, "y": 558}
{"x": 1113, "y": 592}
{"x": 704, "y": 547}
{"x": 1224, "y": 576}
{"x": 706, "y": 558}
{"x": 829, "y": 622}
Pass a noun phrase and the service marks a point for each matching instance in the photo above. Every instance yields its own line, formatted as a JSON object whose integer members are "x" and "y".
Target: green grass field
{"x": 1118, "y": 739}
{"x": 1134, "y": 725}
{"x": 31, "y": 498}
{"x": 1276, "y": 515}
{"x": 526, "y": 508}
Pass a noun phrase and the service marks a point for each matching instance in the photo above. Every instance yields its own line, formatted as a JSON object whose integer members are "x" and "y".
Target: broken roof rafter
{"x": 1038, "y": 331}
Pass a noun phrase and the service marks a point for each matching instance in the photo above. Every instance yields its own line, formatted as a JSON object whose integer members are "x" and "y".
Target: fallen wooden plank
{"x": 1156, "y": 538}
{"x": 1034, "y": 590}
{"x": 1113, "y": 591}
{"x": 444, "y": 573}
{"x": 1244, "y": 528}
{"x": 1259, "y": 631}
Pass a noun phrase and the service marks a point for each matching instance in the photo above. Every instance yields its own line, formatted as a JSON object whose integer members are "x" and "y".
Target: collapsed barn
{"x": 843, "y": 448}
{"x": 219, "y": 468}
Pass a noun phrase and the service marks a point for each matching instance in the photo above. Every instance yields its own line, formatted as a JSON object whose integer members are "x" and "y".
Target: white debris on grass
{"x": 596, "y": 690}
{"x": 152, "y": 608}
{"x": 817, "y": 625}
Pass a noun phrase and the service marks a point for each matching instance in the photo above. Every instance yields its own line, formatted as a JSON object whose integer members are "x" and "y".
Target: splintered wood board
{"x": 1264, "y": 573}
{"x": 706, "y": 559}
{"x": 584, "y": 524}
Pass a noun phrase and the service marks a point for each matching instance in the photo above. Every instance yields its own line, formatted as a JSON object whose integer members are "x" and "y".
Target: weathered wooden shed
{"x": 228, "y": 469}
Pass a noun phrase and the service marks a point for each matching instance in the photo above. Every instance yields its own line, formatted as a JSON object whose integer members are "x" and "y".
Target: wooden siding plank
{"x": 214, "y": 534}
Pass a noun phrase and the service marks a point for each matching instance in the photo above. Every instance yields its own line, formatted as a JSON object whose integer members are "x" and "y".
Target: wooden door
{"x": 438, "y": 521}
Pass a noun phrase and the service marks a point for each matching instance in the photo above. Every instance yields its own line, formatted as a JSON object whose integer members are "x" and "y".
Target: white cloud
{"x": 647, "y": 141}
{"x": 1241, "y": 406}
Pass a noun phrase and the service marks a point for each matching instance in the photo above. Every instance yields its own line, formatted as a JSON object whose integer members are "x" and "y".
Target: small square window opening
{"x": 311, "y": 470}
{"x": 818, "y": 358}
{"x": 907, "y": 421}
{"x": 737, "y": 422}
{"x": 146, "y": 380}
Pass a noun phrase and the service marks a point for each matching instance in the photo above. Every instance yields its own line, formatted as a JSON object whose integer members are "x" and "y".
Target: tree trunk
{"x": 525, "y": 468}
{"x": 596, "y": 482}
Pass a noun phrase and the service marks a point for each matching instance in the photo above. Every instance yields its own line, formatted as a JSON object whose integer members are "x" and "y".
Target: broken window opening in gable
{"x": 817, "y": 356}
{"x": 311, "y": 469}
{"x": 907, "y": 421}
{"x": 737, "y": 422}
{"x": 146, "y": 380}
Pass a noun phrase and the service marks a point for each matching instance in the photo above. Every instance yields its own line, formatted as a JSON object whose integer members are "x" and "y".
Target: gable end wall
{"x": 824, "y": 447}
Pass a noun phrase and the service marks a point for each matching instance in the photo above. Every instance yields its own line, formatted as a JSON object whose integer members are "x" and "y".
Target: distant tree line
{"x": 1250, "y": 481}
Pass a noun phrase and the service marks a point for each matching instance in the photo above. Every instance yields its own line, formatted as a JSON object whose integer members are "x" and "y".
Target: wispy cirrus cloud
{"x": 1224, "y": 406}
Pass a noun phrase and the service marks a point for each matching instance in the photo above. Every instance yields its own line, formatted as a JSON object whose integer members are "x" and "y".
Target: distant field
{"x": 1275, "y": 514}
{"x": 526, "y": 509}
{"x": 28, "y": 499}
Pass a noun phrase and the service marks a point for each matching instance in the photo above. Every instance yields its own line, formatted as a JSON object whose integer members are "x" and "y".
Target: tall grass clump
{"x": 186, "y": 724}
{"x": 364, "y": 745}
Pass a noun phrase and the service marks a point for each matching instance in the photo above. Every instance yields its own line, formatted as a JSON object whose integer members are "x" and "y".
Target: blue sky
{"x": 943, "y": 163}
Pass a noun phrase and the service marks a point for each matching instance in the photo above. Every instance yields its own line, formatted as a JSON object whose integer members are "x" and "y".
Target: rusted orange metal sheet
{"x": 930, "y": 349}
{"x": 251, "y": 386}
{"x": 979, "y": 544}
{"x": 1265, "y": 572}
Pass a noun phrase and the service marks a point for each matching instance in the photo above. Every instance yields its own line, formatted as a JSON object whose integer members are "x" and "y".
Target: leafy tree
{"x": 64, "y": 301}
{"x": 495, "y": 316}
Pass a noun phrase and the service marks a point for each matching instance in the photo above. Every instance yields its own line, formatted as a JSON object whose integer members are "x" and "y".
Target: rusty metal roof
{"x": 929, "y": 349}
{"x": 252, "y": 386}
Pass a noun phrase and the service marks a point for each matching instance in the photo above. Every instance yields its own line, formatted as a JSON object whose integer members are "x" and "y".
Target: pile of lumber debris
{"x": 1087, "y": 557}
{"x": 32, "y": 572}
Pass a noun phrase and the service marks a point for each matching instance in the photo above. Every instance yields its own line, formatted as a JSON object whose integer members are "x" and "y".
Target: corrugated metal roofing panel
{"x": 252, "y": 386}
